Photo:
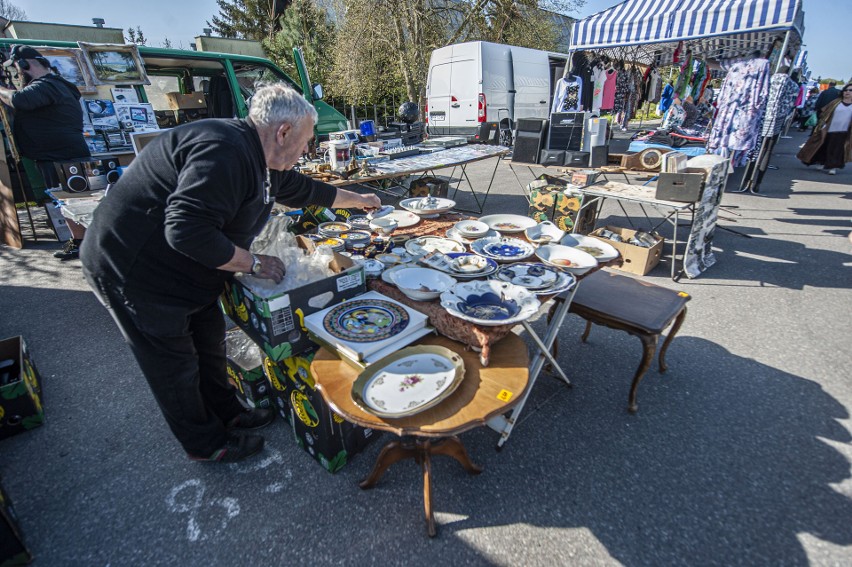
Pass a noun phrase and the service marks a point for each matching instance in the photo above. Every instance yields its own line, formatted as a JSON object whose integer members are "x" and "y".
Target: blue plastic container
{"x": 368, "y": 128}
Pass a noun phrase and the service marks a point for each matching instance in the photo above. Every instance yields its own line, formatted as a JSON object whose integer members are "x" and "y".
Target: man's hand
{"x": 351, "y": 200}
{"x": 271, "y": 268}
{"x": 371, "y": 202}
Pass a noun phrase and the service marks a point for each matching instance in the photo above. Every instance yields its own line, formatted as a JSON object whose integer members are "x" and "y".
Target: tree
{"x": 167, "y": 43}
{"x": 245, "y": 19}
{"x": 305, "y": 25}
{"x": 136, "y": 36}
{"x": 11, "y": 12}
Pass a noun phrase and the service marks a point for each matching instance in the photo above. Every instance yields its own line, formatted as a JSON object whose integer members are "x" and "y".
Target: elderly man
{"x": 169, "y": 233}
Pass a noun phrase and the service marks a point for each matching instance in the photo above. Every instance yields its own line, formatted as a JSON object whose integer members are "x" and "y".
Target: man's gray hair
{"x": 275, "y": 103}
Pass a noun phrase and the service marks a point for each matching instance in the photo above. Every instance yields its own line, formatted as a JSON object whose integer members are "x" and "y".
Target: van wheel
{"x": 506, "y": 135}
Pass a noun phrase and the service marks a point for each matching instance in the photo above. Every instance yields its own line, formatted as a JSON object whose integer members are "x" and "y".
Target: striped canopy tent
{"x": 648, "y": 31}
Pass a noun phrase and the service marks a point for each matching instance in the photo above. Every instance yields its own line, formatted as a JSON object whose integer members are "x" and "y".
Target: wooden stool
{"x": 642, "y": 309}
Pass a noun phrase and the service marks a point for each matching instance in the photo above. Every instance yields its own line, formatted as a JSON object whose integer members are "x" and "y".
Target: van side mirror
{"x": 316, "y": 91}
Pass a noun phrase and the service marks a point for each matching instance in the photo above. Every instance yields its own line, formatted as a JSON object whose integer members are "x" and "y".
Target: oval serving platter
{"x": 503, "y": 248}
{"x": 508, "y": 224}
{"x": 365, "y": 320}
{"x": 409, "y": 381}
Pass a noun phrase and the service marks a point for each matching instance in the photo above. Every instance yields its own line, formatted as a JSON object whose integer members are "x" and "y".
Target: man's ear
{"x": 282, "y": 132}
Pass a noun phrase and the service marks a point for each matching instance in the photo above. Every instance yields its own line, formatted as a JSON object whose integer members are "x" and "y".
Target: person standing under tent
{"x": 825, "y": 97}
{"x": 830, "y": 144}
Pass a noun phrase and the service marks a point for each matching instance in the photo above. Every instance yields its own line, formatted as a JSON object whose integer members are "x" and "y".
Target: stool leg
{"x": 675, "y": 328}
{"x": 649, "y": 344}
{"x": 587, "y": 331}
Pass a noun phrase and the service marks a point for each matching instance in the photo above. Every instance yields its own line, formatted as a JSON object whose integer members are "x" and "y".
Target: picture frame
{"x": 114, "y": 63}
{"x": 71, "y": 66}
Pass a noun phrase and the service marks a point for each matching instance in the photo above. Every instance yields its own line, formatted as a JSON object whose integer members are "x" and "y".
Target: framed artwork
{"x": 70, "y": 65}
{"x": 114, "y": 64}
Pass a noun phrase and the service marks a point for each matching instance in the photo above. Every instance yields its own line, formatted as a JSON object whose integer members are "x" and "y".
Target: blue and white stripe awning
{"x": 639, "y": 22}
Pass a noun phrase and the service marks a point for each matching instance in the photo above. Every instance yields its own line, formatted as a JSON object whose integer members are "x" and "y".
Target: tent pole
{"x": 783, "y": 51}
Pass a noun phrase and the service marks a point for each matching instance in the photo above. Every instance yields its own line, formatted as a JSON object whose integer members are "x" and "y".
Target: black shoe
{"x": 238, "y": 447}
{"x": 71, "y": 251}
{"x": 252, "y": 419}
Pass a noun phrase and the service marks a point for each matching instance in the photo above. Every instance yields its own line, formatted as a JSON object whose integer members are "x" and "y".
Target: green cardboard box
{"x": 13, "y": 550}
{"x": 323, "y": 434}
{"x": 20, "y": 389}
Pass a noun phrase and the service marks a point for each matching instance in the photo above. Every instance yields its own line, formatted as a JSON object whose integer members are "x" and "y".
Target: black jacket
{"x": 182, "y": 205}
{"x": 825, "y": 97}
{"x": 49, "y": 121}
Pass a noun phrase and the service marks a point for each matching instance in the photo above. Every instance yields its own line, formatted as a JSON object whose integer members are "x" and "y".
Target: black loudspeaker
{"x": 110, "y": 167}
{"x": 598, "y": 156}
{"x": 530, "y": 137}
{"x": 566, "y": 131}
{"x": 552, "y": 157}
{"x": 79, "y": 176}
{"x": 576, "y": 159}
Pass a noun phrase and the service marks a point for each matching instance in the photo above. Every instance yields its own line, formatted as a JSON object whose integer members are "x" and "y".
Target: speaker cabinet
{"x": 110, "y": 166}
{"x": 531, "y": 133}
{"x": 576, "y": 159}
{"x": 552, "y": 157}
{"x": 79, "y": 176}
{"x": 566, "y": 131}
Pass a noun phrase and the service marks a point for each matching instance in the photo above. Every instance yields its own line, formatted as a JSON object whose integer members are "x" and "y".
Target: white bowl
{"x": 566, "y": 258}
{"x": 383, "y": 225}
{"x": 599, "y": 249}
{"x": 422, "y": 284}
{"x": 544, "y": 233}
{"x": 472, "y": 228}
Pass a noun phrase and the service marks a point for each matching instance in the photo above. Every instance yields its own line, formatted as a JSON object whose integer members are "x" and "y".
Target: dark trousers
{"x": 181, "y": 351}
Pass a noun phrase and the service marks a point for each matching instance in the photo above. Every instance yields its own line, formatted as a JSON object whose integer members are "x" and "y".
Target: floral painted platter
{"x": 490, "y": 303}
{"x": 425, "y": 244}
{"x": 404, "y": 219}
{"x": 365, "y": 320}
{"x": 531, "y": 275}
{"x": 508, "y": 223}
{"x": 503, "y": 248}
{"x": 409, "y": 381}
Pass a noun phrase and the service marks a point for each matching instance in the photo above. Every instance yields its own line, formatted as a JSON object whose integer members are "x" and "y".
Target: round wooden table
{"x": 484, "y": 393}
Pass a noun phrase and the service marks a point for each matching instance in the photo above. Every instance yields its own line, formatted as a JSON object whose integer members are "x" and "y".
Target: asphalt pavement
{"x": 739, "y": 454}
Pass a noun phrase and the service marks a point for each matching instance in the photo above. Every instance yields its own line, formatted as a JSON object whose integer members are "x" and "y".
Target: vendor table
{"x": 459, "y": 157}
{"x": 483, "y": 393}
{"x": 643, "y": 196}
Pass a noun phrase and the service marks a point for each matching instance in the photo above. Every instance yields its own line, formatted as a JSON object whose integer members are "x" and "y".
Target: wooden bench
{"x": 628, "y": 304}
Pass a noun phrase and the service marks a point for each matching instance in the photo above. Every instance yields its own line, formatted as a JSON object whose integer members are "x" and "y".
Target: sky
{"x": 827, "y": 23}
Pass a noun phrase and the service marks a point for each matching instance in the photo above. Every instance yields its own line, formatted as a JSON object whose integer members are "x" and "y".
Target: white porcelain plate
{"x": 508, "y": 223}
{"x": 532, "y": 276}
{"x": 456, "y": 235}
{"x": 404, "y": 218}
{"x": 424, "y": 244}
{"x": 598, "y": 249}
{"x": 427, "y": 205}
{"x": 491, "y": 267}
{"x": 409, "y": 381}
{"x": 490, "y": 302}
{"x": 503, "y": 248}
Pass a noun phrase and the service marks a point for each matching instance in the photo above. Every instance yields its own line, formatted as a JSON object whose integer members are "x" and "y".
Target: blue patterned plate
{"x": 503, "y": 249}
{"x": 365, "y": 320}
{"x": 490, "y": 302}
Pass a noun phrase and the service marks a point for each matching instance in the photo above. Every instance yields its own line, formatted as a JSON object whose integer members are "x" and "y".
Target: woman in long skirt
{"x": 830, "y": 145}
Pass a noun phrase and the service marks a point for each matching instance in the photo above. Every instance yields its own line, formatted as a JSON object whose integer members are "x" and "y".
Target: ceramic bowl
{"x": 506, "y": 223}
{"x": 422, "y": 284}
{"x": 427, "y": 205}
{"x": 373, "y": 268}
{"x": 490, "y": 302}
{"x": 359, "y": 222}
{"x": 333, "y": 229}
{"x": 469, "y": 264}
{"x": 353, "y": 237}
{"x": 599, "y": 249}
{"x": 472, "y": 228}
{"x": 544, "y": 233}
{"x": 566, "y": 258}
{"x": 335, "y": 244}
{"x": 384, "y": 225}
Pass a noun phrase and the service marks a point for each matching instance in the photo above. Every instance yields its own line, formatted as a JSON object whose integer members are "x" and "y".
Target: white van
{"x": 480, "y": 82}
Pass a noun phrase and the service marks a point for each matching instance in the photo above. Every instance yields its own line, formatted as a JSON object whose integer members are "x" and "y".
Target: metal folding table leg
{"x": 504, "y": 424}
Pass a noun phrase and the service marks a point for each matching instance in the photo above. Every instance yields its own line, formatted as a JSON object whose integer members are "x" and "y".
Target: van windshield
{"x": 250, "y": 76}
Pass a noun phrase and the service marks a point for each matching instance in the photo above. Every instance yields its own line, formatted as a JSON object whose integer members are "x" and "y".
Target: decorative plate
{"x": 503, "y": 249}
{"x": 404, "y": 218}
{"x": 365, "y": 320}
{"x": 409, "y": 381}
{"x": 456, "y": 235}
{"x": 566, "y": 258}
{"x": 565, "y": 282}
{"x": 490, "y": 302}
{"x": 531, "y": 275}
{"x": 598, "y": 249}
{"x": 427, "y": 205}
{"x": 425, "y": 244}
{"x": 472, "y": 228}
{"x": 492, "y": 267}
{"x": 508, "y": 223}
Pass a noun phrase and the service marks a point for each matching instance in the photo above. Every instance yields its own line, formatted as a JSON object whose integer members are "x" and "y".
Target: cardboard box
{"x": 585, "y": 177}
{"x": 252, "y": 385}
{"x": 429, "y": 186}
{"x": 276, "y": 323}
{"x": 323, "y": 434}
{"x": 178, "y": 101}
{"x": 20, "y": 389}
{"x": 543, "y": 192}
{"x": 13, "y": 550}
{"x": 680, "y": 187}
{"x": 637, "y": 260}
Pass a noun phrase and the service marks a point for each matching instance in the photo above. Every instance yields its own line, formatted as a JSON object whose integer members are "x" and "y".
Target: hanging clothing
{"x": 599, "y": 77}
{"x": 622, "y": 91}
{"x": 741, "y": 104}
{"x": 674, "y": 117}
{"x": 609, "y": 89}
{"x": 581, "y": 68}
{"x": 567, "y": 95}
{"x": 800, "y": 99}
{"x": 782, "y": 98}
{"x": 666, "y": 99}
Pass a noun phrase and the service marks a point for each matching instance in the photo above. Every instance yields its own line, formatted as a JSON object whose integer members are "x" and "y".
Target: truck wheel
{"x": 506, "y": 138}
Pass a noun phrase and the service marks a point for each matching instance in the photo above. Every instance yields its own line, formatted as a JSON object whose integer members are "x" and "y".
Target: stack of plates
{"x": 359, "y": 222}
{"x": 456, "y": 235}
{"x": 335, "y": 244}
{"x": 537, "y": 278}
{"x": 354, "y": 237}
{"x": 503, "y": 249}
{"x": 461, "y": 266}
{"x": 332, "y": 229}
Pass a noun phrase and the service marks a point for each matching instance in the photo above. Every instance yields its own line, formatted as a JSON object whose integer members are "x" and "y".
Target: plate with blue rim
{"x": 503, "y": 248}
{"x": 490, "y": 302}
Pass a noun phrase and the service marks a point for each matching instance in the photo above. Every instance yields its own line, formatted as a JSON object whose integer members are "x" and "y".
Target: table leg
{"x": 649, "y": 345}
{"x": 393, "y": 452}
{"x": 674, "y": 242}
{"x": 675, "y": 328}
{"x": 453, "y": 447}
{"x": 426, "y": 464}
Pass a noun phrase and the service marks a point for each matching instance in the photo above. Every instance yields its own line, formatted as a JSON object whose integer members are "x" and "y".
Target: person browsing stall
{"x": 830, "y": 144}
{"x": 48, "y": 117}
{"x": 169, "y": 233}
